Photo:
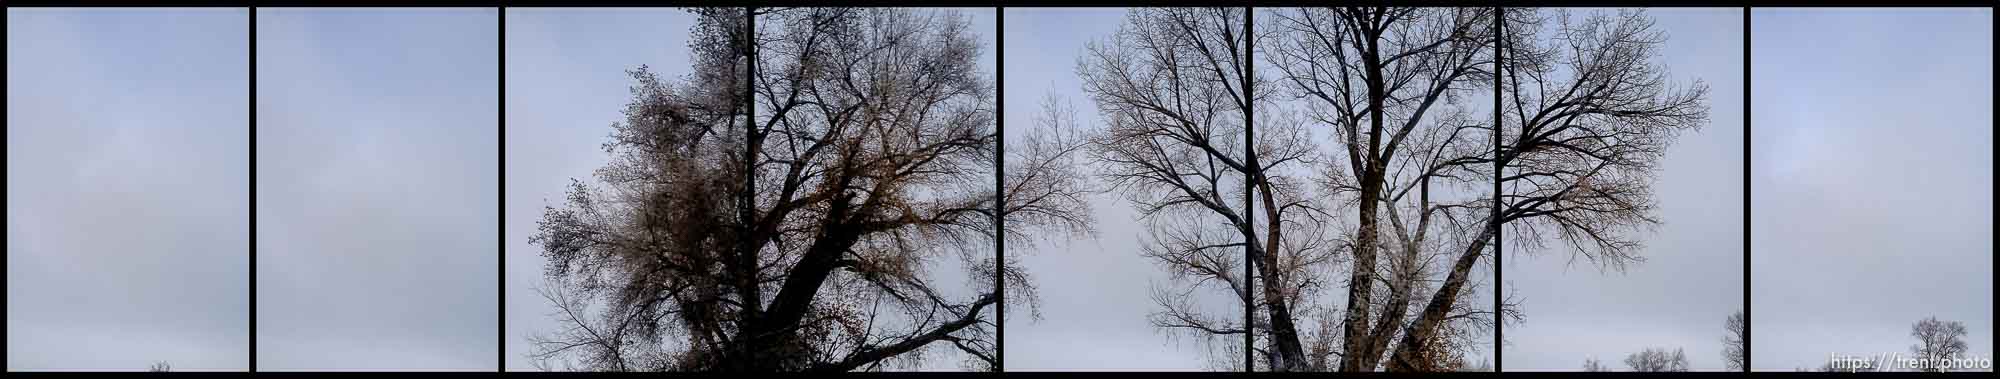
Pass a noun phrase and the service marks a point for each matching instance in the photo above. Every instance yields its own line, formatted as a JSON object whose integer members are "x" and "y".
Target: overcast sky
{"x": 1872, "y": 173}
{"x": 1692, "y": 278}
{"x": 376, "y": 161}
{"x": 127, "y": 189}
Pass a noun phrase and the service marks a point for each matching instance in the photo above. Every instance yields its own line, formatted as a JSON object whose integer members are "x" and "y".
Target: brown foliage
{"x": 869, "y": 170}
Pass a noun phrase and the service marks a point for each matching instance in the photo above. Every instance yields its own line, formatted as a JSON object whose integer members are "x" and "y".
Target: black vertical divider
{"x": 1746, "y": 191}
{"x": 1499, "y": 313}
{"x": 253, "y": 190}
{"x": 500, "y": 358}
{"x": 1000, "y": 189}
{"x": 1250, "y": 162}
{"x": 749, "y": 203}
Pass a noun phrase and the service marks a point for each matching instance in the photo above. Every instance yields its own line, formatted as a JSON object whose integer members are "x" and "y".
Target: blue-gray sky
{"x": 1692, "y": 278}
{"x": 377, "y": 161}
{"x": 1871, "y": 180}
{"x": 127, "y": 189}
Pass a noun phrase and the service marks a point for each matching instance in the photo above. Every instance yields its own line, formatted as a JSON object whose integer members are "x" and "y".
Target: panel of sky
{"x": 127, "y": 189}
{"x": 377, "y": 138}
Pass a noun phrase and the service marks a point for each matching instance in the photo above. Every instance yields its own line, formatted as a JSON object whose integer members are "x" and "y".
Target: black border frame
{"x": 1748, "y": 8}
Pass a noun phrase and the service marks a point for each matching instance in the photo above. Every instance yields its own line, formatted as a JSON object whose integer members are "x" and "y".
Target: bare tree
{"x": 1391, "y": 83}
{"x": 1591, "y": 364}
{"x": 658, "y": 252}
{"x": 1171, "y": 88}
{"x": 1044, "y": 199}
{"x": 1388, "y": 83}
{"x": 1657, "y": 360}
{"x": 809, "y": 237}
{"x": 1588, "y": 116}
{"x": 1732, "y": 343}
{"x": 1937, "y": 341}
{"x": 160, "y": 366}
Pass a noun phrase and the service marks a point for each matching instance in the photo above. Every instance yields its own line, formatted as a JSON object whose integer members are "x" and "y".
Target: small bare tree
{"x": 1937, "y": 341}
{"x": 1591, "y": 364}
{"x": 1732, "y": 343}
{"x": 160, "y": 366}
{"x": 1657, "y": 360}
{"x": 1828, "y": 367}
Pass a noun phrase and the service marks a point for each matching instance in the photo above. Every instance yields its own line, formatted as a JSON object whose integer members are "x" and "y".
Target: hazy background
{"x": 1692, "y": 278}
{"x": 377, "y": 155}
{"x": 127, "y": 189}
{"x": 1872, "y": 174}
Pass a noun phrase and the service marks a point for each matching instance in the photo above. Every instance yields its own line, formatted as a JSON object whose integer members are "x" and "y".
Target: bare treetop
{"x": 1593, "y": 365}
{"x": 1733, "y": 349}
{"x": 1588, "y": 115}
{"x": 1937, "y": 341}
{"x": 810, "y": 236}
{"x": 1657, "y": 360}
{"x": 1170, "y": 89}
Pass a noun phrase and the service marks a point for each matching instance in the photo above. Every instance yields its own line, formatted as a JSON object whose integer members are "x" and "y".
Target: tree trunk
{"x": 778, "y": 324}
{"x": 1361, "y": 276}
{"x": 1409, "y": 351}
{"x": 1291, "y": 355}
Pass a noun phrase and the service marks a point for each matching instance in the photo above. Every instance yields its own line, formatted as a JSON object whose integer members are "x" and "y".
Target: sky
{"x": 1871, "y": 180}
{"x": 127, "y": 189}
{"x": 377, "y": 161}
{"x": 562, "y": 98}
{"x": 1692, "y": 278}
